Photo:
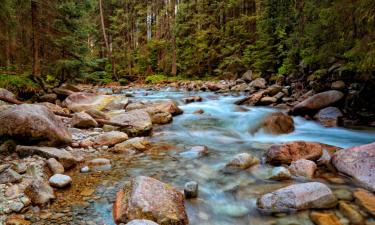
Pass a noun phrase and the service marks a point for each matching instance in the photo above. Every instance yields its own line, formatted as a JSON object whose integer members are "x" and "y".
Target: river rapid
{"x": 226, "y": 129}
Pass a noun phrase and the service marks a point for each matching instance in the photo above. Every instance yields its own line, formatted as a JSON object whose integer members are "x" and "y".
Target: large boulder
{"x": 140, "y": 121}
{"x": 4, "y": 93}
{"x": 318, "y": 101}
{"x": 278, "y": 123}
{"x": 148, "y": 198}
{"x": 81, "y": 101}
{"x": 33, "y": 123}
{"x": 292, "y": 151}
{"x": 358, "y": 162}
{"x": 63, "y": 156}
{"x": 329, "y": 116}
{"x": 312, "y": 195}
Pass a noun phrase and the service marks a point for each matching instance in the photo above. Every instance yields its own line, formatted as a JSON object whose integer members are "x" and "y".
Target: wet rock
{"x": 80, "y": 101}
{"x": 39, "y": 192}
{"x": 259, "y": 83}
{"x": 33, "y": 123}
{"x": 329, "y": 116}
{"x": 110, "y": 138}
{"x": 145, "y": 197}
{"x": 322, "y": 218}
{"x": 136, "y": 144}
{"x": 55, "y": 166}
{"x": 252, "y": 99}
{"x": 292, "y": 151}
{"x": 280, "y": 173}
{"x": 349, "y": 212}
{"x": 99, "y": 164}
{"x": 165, "y": 106}
{"x": 343, "y": 194}
{"x": 83, "y": 120}
{"x": 196, "y": 152}
{"x": 313, "y": 195}
{"x": 192, "y": 99}
{"x": 118, "y": 103}
{"x": 97, "y": 114}
{"x": 7, "y": 175}
{"x": 160, "y": 117}
{"x": 48, "y": 98}
{"x": 242, "y": 161}
{"x": 139, "y": 120}
{"x": 248, "y": 76}
{"x": 303, "y": 168}
{"x": 141, "y": 222}
{"x": 231, "y": 210}
{"x": 191, "y": 189}
{"x": 338, "y": 85}
{"x": 63, "y": 156}
{"x": 60, "y": 181}
{"x": 198, "y": 111}
{"x": 366, "y": 199}
{"x": 278, "y": 123}
{"x": 357, "y": 162}
{"x": 318, "y": 101}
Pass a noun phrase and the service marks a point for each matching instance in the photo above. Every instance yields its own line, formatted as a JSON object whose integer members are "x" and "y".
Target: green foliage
{"x": 158, "y": 78}
{"x": 18, "y": 83}
{"x": 123, "y": 81}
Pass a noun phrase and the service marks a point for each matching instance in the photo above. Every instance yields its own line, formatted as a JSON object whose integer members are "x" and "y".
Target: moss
{"x": 18, "y": 84}
{"x": 158, "y": 78}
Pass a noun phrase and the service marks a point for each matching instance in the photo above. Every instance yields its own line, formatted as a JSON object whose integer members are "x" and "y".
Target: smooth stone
{"x": 55, "y": 166}
{"x": 110, "y": 138}
{"x": 83, "y": 120}
{"x": 191, "y": 189}
{"x": 141, "y": 222}
{"x": 343, "y": 194}
{"x": 278, "y": 123}
{"x": 349, "y": 212}
{"x": 242, "y": 161}
{"x": 60, "y": 181}
{"x": 366, "y": 199}
{"x": 280, "y": 173}
{"x": 85, "y": 169}
{"x": 321, "y": 218}
{"x": 303, "y": 168}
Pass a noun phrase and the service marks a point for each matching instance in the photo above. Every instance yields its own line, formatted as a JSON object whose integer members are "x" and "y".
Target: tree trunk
{"x": 36, "y": 39}
{"x": 109, "y": 50}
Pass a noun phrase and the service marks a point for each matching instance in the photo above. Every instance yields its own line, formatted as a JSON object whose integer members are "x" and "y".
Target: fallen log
{"x": 99, "y": 121}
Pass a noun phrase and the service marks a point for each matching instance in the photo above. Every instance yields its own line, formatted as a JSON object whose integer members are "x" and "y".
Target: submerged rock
{"x": 63, "y": 156}
{"x": 303, "y": 168}
{"x": 313, "y": 195}
{"x": 292, "y": 151}
{"x": 242, "y": 161}
{"x": 322, "y": 218}
{"x": 148, "y": 198}
{"x": 99, "y": 164}
{"x": 278, "y": 123}
{"x": 366, "y": 199}
{"x": 357, "y": 162}
{"x": 318, "y": 101}
{"x": 33, "y": 123}
{"x": 195, "y": 152}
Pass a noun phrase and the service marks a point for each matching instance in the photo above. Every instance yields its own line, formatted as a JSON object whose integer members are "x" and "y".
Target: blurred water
{"x": 226, "y": 130}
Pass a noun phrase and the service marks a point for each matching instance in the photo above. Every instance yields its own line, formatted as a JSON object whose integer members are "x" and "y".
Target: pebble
{"x": 85, "y": 169}
{"x": 60, "y": 180}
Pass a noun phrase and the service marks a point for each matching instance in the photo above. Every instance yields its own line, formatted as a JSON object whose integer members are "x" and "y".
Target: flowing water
{"x": 227, "y": 130}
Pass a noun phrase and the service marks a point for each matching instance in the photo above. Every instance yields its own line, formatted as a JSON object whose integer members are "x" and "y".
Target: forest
{"x": 92, "y": 41}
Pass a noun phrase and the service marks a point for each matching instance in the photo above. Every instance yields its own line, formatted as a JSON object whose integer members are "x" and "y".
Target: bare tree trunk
{"x": 109, "y": 50}
{"x": 36, "y": 39}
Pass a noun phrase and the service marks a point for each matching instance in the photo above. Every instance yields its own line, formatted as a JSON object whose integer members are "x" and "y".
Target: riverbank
{"x": 210, "y": 120}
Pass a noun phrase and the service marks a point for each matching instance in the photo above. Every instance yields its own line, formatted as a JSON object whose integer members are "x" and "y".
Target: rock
{"x": 267, "y": 100}
{"x": 240, "y": 87}
{"x": 48, "y": 98}
{"x": 191, "y": 189}
{"x": 248, "y": 76}
{"x": 318, "y": 101}
{"x": 343, "y": 194}
{"x": 99, "y": 164}
{"x": 279, "y": 95}
{"x": 165, "y": 106}
{"x": 280, "y": 173}
{"x": 4, "y": 93}
{"x": 141, "y": 222}
{"x": 278, "y": 123}
{"x": 83, "y": 120}
{"x": 139, "y": 120}
{"x": 39, "y": 192}
{"x": 196, "y": 152}
{"x": 160, "y": 117}
{"x": 71, "y": 87}
{"x": 33, "y": 123}
{"x": 9, "y": 176}
{"x": 232, "y": 210}
{"x": 280, "y": 80}
{"x": 252, "y": 99}
{"x": 366, "y": 199}
{"x": 338, "y": 85}
{"x": 349, "y": 212}
{"x": 274, "y": 89}
{"x": 303, "y": 168}
{"x": 136, "y": 144}
{"x": 198, "y": 111}
{"x": 55, "y": 166}
{"x": 80, "y": 101}
{"x": 110, "y": 138}
{"x": 242, "y": 161}
{"x": 192, "y": 99}
{"x": 329, "y": 116}
{"x": 357, "y": 162}
{"x": 60, "y": 181}
{"x": 117, "y": 104}
{"x": 62, "y": 92}
{"x": 97, "y": 114}
{"x": 17, "y": 220}
{"x": 85, "y": 169}
{"x": 321, "y": 218}
{"x": 145, "y": 197}
{"x": 313, "y": 195}
{"x": 259, "y": 83}
{"x": 292, "y": 151}
{"x": 63, "y": 156}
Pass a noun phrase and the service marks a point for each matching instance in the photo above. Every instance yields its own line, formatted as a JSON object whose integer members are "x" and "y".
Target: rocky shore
{"x": 47, "y": 145}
